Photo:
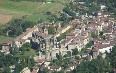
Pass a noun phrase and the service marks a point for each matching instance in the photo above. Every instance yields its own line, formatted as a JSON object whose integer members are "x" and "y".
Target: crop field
{"x": 5, "y": 18}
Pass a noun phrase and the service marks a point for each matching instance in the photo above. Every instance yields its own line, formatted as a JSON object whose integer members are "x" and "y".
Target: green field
{"x": 34, "y": 10}
{"x": 5, "y": 39}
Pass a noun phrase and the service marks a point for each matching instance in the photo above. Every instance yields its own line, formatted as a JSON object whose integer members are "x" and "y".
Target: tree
{"x": 6, "y": 70}
{"x": 63, "y": 17}
{"x": 51, "y": 30}
{"x": 59, "y": 56}
{"x": 45, "y": 70}
{"x": 77, "y": 57}
{"x": 101, "y": 34}
{"x": 98, "y": 65}
{"x": 111, "y": 57}
{"x": 75, "y": 51}
{"x": 88, "y": 45}
{"x": 17, "y": 27}
{"x": 94, "y": 35}
{"x": 30, "y": 0}
{"x": 26, "y": 47}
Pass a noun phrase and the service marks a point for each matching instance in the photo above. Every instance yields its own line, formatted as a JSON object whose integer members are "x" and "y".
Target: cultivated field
{"x": 5, "y": 18}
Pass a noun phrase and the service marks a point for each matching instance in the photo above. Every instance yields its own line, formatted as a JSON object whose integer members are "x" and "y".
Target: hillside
{"x": 33, "y": 11}
{"x": 30, "y": 11}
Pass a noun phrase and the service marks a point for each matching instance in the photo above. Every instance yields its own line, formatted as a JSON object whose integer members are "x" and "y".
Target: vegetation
{"x": 94, "y": 35}
{"x": 88, "y": 45}
{"x": 62, "y": 36}
{"x": 60, "y": 61}
{"x": 51, "y": 30}
{"x": 75, "y": 51}
{"x": 20, "y": 57}
{"x": 28, "y": 12}
{"x": 5, "y": 38}
{"x": 29, "y": 0}
{"x": 98, "y": 65}
{"x": 33, "y": 10}
{"x": 101, "y": 35}
{"x": 17, "y": 27}
{"x": 36, "y": 11}
{"x": 111, "y": 57}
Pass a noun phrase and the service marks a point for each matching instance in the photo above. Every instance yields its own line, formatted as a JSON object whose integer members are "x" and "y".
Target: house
{"x": 84, "y": 55}
{"x": 63, "y": 30}
{"x": 42, "y": 28}
{"x": 79, "y": 42}
{"x": 103, "y": 7}
{"x": 12, "y": 68}
{"x": 41, "y": 61}
{"x": 70, "y": 67}
{"x": 35, "y": 71}
{"x": 54, "y": 68}
{"x": 71, "y": 34}
{"x": 6, "y": 47}
{"x": 109, "y": 36}
{"x": 46, "y": 63}
{"x": 94, "y": 52}
{"x": 39, "y": 40}
{"x": 104, "y": 47}
{"x": 106, "y": 14}
{"x": 53, "y": 53}
{"x": 25, "y": 70}
{"x": 101, "y": 41}
{"x": 113, "y": 42}
{"x": 23, "y": 38}
{"x": 97, "y": 40}
{"x": 42, "y": 67}
{"x": 89, "y": 57}
{"x": 71, "y": 46}
{"x": 99, "y": 14}
{"x": 114, "y": 70}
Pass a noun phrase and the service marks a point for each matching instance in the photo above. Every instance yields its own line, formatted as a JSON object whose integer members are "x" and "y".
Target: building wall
{"x": 65, "y": 29}
{"x": 105, "y": 49}
{"x": 28, "y": 35}
{"x": 71, "y": 47}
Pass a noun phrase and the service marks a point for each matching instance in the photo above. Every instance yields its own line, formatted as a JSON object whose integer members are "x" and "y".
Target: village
{"x": 99, "y": 33}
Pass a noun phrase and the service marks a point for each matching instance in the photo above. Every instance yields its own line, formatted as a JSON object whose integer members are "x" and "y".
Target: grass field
{"x": 34, "y": 10}
{"x": 4, "y": 39}
{"x": 31, "y": 53}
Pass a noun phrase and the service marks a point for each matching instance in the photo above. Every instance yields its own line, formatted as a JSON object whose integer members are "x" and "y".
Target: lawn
{"x": 30, "y": 53}
{"x": 4, "y": 39}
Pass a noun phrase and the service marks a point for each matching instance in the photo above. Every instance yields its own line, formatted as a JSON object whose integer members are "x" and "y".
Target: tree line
{"x": 16, "y": 27}
{"x": 29, "y": 0}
